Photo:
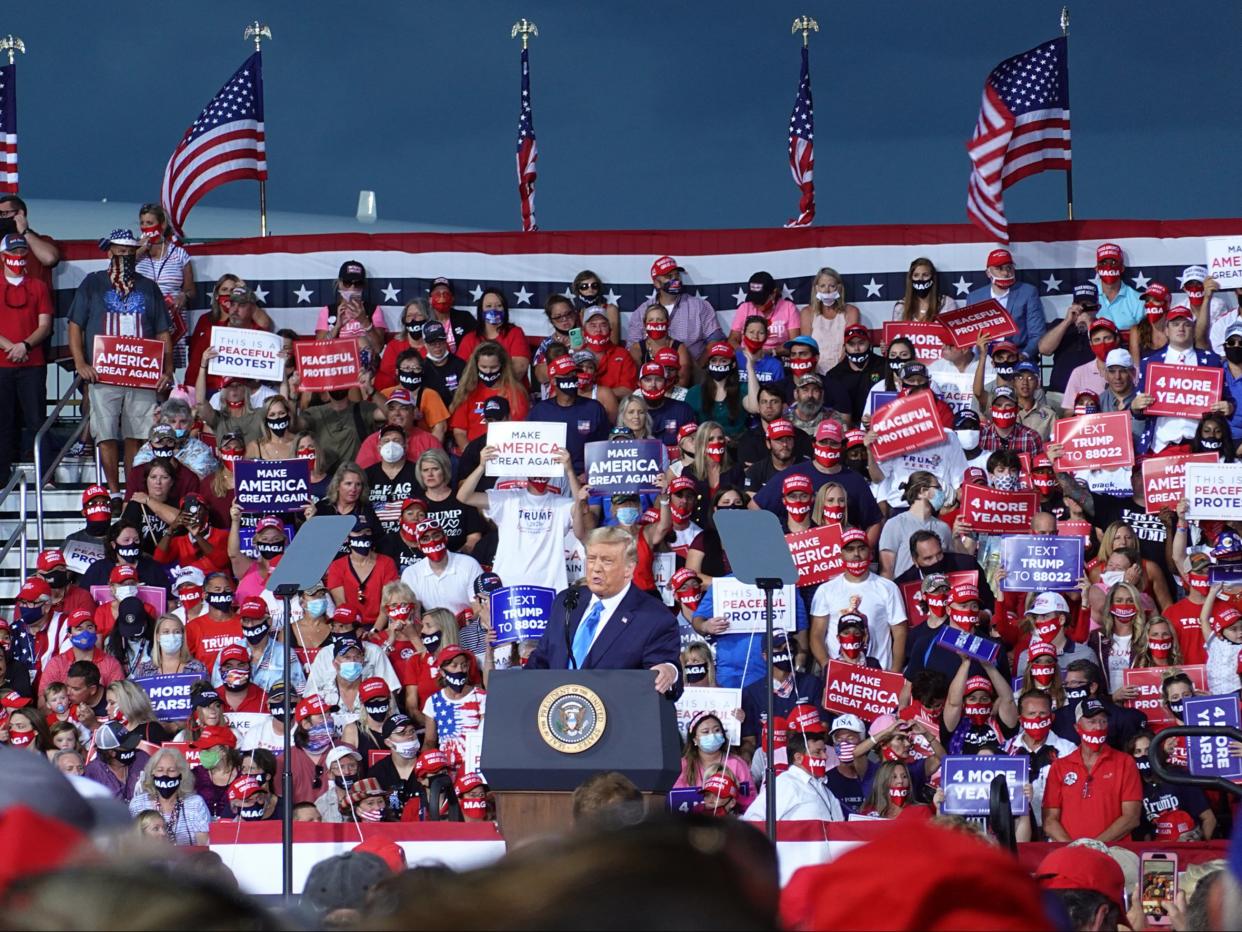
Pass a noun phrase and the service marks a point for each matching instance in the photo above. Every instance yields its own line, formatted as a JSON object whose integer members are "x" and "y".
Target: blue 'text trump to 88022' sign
{"x": 1038, "y": 563}
{"x": 624, "y": 465}
{"x": 967, "y": 782}
{"x": 272, "y": 485}
{"x": 520, "y": 613}
{"x": 1210, "y": 757}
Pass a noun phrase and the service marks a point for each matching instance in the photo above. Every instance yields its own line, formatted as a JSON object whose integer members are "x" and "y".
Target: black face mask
{"x": 415, "y": 329}
{"x": 568, "y": 386}
{"x": 782, "y": 662}
{"x": 126, "y": 757}
{"x": 922, "y": 288}
{"x": 256, "y": 635}
{"x": 1177, "y": 708}
{"x": 1143, "y": 764}
{"x": 432, "y": 642}
{"x": 268, "y": 549}
{"x": 57, "y": 579}
{"x": 377, "y": 709}
{"x": 1234, "y": 354}
{"x": 128, "y": 553}
{"x": 220, "y": 601}
{"x": 719, "y": 373}
{"x": 896, "y": 364}
{"x": 489, "y": 378}
{"x": 1210, "y": 445}
{"x": 361, "y": 545}
{"x": 858, "y": 359}
{"x": 1006, "y": 370}
{"x": 344, "y": 783}
{"x": 456, "y": 680}
{"x": 410, "y": 380}
{"x": 1077, "y": 694}
{"x": 696, "y": 672}
{"x": 278, "y": 426}
{"x": 166, "y": 786}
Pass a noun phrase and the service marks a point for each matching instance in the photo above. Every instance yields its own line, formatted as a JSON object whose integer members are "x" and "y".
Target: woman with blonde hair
{"x": 169, "y": 652}
{"x": 278, "y": 440}
{"x": 634, "y": 414}
{"x": 435, "y": 474}
{"x": 826, "y": 316}
{"x": 1157, "y": 645}
{"x": 167, "y": 787}
{"x": 129, "y": 704}
{"x": 831, "y": 505}
{"x": 346, "y": 495}
{"x": 437, "y": 629}
{"x": 1120, "y": 536}
{"x": 1122, "y": 621}
{"x": 712, "y": 467}
{"x": 699, "y": 665}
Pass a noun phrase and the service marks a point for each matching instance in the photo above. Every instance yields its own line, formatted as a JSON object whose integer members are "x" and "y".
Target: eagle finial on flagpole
{"x": 257, "y": 31}
{"x": 524, "y": 28}
{"x": 806, "y": 26}
{"x": 11, "y": 44}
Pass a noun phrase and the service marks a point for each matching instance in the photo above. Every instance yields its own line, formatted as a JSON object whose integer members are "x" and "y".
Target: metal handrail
{"x": 42, "y": 476}
{"x": 19, "y": 479}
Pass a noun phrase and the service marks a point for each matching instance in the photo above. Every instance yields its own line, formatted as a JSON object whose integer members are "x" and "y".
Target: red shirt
{"x": 386, "y": 375}
{"x": 181, "y": 550}
{"x": 404, "y": 659}
{"x": 20, "y": 307}
{"x": 75, "y": 599}
{"x": 616, "y": 368}
{"x": 254, "y": 700}
{"x": 206, "y": 638}
{"x": 363, "y": 595}
{"x": 1090, "y": 801}
{"x": 416, "y": 444}
{"x": 1183, "y": 615}
{"x": 511, "y": 338}
{"x": 469, "y": 414}
{"x": 105, "y": 619}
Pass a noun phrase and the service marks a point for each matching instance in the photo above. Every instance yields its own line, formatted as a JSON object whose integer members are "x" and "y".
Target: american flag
{"x": 1023, "y": 129}
{"x": 802, "y": 146}
{"x": 8, "y": 129}
{"x": 527, "y": 152}
{"x": 226, "y": 143}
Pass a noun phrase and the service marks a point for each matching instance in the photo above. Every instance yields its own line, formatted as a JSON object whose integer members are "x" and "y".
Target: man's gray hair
{"x": 173, "y": 407}
{"x": 613, "y": 534}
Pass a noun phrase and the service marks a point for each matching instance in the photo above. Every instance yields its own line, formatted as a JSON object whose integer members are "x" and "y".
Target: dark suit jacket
{"x": 641, "y": 633}
{"x": 1027, "y": 312}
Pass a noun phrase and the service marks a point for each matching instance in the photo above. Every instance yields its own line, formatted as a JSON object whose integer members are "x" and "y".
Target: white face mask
{"x": 350, "y": 294}
{"x": 126, "y": 592}
{"x": 392, "y": 452}
{"x": 407, "y": 749}
{"x": 969, "y": 439}
{"x": 1112, "y": 577}
{"x": 828, "y": 297}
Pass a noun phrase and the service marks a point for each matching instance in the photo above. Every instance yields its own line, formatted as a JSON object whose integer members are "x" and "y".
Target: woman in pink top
{"x": 348, "y": 317}
{"x": 764, "y": 300}
{"x": 708, "y": 748}
{"x": 826, "y": 316}
{"x": 269, "y": 543}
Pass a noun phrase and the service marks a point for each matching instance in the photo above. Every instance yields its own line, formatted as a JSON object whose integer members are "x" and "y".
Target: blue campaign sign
{"x": 686, "y": 799}
{"x": 1210, "y": 757}
{"x": 880, "y": 399}
{"x": 967, "y": 782}
{"x": 169, "y": 694}
{"x": 967, "y": 644}
{"x": 1037, "y": 563}
{"x": 272, "y": 486}
{"x": 520, "y": 613}
{"x": 1227, "y": 574}
{"x": 614, "y": 466}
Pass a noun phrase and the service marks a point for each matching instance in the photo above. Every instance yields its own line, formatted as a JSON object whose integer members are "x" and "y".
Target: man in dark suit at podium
{"x": 612, "y": 625}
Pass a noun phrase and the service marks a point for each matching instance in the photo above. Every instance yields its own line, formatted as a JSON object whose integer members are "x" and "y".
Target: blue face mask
{"x": 626, "y": 516}
{"x": 84, "y": 640}
{"x": 351, "y": 671}
{"x": 495, "y": 318}
{"x": 937, "y": 499}
{"x": 181, "y": 432}
{"x": 712, "y": 743}
{"x": 30, "y": 614}
{"x": 316, "y": 607}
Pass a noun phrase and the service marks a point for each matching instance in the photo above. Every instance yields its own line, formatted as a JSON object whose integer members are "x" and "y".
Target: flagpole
{"x": 11, "y": 44}
{"x": 527, "y": 148}
{"x": 1069, "y": 172}
{"x": 258, "y": 32}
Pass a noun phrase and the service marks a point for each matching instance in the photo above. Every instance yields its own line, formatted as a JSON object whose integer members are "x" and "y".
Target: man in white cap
{"x": 118, "y": 302}
{"x": 1208, "y": 306}
{"x": 1119, "y": 388}
{"x": 1049, "y": 614}
{"x": 845, "y": 780}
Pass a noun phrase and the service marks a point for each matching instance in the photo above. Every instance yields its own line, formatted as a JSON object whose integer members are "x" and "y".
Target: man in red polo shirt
{"x": 237, "y": 692}
{"x": 66, "y": 597}
{"x": 1095, "y": 792}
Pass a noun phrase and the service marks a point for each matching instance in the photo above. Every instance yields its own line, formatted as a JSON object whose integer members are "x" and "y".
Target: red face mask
{"x": 753, "y": 345}
{"x": 899, "y": 795}
{"x": 801, "y": 366}
{"x": 715, "y": 450}
{"x": 1198, "y": 582}
{"x": 977, "y": 713}
{"x": 15, "y": 266}
{"x": 474, "y": 807}
{"x": 828, "y": 457}
{"x": 1037, "y": 727}
{"x": 857, "y": 567}
{"x": 538, "y": 486}
{"x": 690, "y": 598}
{"x": 1101, "y": 350}
{"x": 851, "y": 646}
{"x": 657, "y": 329}
{"x": 1124, "y": 613}
{"x": 963, "y": 618}
{"x": 1047, "y": 630}
{"x": 442, "y": 302}
{"x": 1160, "y": 647}
{"x": 815, "y": 766}
{"x": 1043, "y": 484}
{"x": 584, "y": 380}
{"x": 834, "y": 514}
{"x": 1109, "y": 275}
{"x": 434, "y": 550}
{"x": 597, "y": 341}
{"x": 407, "y": 528}
{"x": 936, "y": 603}
{"x": 797, "y": 511}
{"x": 189, "y": 596}
{"x": 19, "y": 739}
{"x": 1154, "y": 312}
{"x": 307, "y": 454}
{"x": 151, "y": 233}
{"x": 1005, "y": 417}
{"x": 1195, "y": 294}
{"x": 1043, "y": 674}
{"x": 1093, "y": 738}
{"x": 653, "y": 394}
{"x": 1004, "y": 282}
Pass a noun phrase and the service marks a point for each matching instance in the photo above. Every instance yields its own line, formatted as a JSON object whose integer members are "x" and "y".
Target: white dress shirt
{"x": 798, "y": 796}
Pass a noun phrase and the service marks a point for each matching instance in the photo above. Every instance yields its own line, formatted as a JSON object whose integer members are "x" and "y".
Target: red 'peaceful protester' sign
{"x": 1182, "y": 391}
{"x": 128, "y": 361}
{"x": 927, "y": 336}
{"x": 864, "y": 691}
{"x": 327, "y": 365}
{"x": 910, "y": 591}
{"x": 1164, "y": 479}
{"x": 905, "y": 425}
{"x": 816, "y": 554}
{"x": 1094, "y": 441}
{"x": 991, "y": 511}
{"x": 1150, "y": 701}
{"x": 966, "y": 324}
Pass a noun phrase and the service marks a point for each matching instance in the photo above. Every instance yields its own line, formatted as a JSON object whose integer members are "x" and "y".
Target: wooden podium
{"x": 527, "y": 814}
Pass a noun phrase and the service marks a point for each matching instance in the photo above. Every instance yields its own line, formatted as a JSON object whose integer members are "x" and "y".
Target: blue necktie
{"x": 586, "y": 634}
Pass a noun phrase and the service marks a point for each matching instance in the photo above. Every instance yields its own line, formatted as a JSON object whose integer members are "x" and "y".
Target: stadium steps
{"x": 62, "y": 515}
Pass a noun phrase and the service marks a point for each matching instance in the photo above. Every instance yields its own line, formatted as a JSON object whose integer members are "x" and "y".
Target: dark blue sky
{"x": 648, "y": 114}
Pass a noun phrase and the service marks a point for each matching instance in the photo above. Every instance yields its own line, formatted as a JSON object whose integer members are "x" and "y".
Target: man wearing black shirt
{"x": 442, "y": 369}
{"x": 861, "y": 368}
{"x": 1068, "y": 341}
{"x": 782, "y": 444}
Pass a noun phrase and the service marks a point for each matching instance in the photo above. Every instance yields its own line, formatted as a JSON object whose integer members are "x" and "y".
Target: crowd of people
{"x": 393, "y": 649}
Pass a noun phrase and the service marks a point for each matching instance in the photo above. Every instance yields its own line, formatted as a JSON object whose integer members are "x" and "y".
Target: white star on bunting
{"x": 612, "y": 297}
{"x": 476, "y": 292}
{"x": 786, "y": 292}
{"x": 260, "y": 293}
{"x": 1051, "y": 284}
{"x": 303, "y": 294}
{"x": 739, "y": 296}
{"x": 961, "y": 286}
{"x": 1140, "y": 281}
{"x": 523, "y": 296}
{"x": 390, "y": 294}
{"x": 873, "y": 288}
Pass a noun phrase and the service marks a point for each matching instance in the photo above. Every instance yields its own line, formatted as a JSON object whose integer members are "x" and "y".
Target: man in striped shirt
{"x": 691, "y": 319}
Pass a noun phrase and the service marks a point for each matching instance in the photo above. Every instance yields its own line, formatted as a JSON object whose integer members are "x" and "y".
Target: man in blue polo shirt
{"x": 1118, "y": 301}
